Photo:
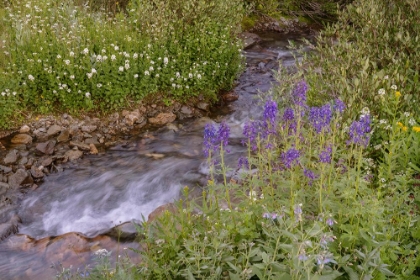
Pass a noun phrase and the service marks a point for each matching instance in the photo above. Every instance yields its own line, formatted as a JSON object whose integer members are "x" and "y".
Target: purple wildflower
{"x": 251, "y": 130}
{"x": 209, "y": 138}
{"x": 324, "y": 259}
{"x": 299, "y": 94}
{"x": 243, "y": 162}
{"x": 339, "y": 106}
{"x": 266, "y": 215}
{"x": 303, "y": 257}
{"x": 359, "y": 131}
{"x": 290, "y": 157}
{"x": 325, "y": 155}
{"x": 310, "y": 175}
{"x": 320, "y": 117}
{"x": 270, "y": 112}
{"x": 289, "y": 114}
{"x": 330, "y": 222}
{"x": 298, "y": 212}
{"x": 213, "y": 137}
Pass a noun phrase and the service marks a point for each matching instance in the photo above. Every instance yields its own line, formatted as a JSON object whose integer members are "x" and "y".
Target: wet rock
{"x": 80, "y": 145}
{"x": 9, "y": 228}
{"x": 11, "y": 157}
{"x": 249, "y": 39}
{"x": 53, "y": 130}
{"x": 172, "y": 127}
{"x": 5, "y": 169}
{"x": 124, "y": 232}
{"x": 155, "y": 156}
{"x": 88, "y": 128}
{"x": 46, "y": 147}
{"x": 36, "y": 172}
{"x": 72, "y": 155}
{"x": 18, "y": 178}
{"x": 162, "y": 119}
{"x": 24, "y": 129}
{"x": 64, "y": 136}
{"x": 21, "y": 139}
{"x": 93, "y": 149}
{"x": 3, "y": 188}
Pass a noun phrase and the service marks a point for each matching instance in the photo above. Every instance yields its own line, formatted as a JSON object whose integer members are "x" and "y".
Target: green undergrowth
{"x": 57, "y": 56}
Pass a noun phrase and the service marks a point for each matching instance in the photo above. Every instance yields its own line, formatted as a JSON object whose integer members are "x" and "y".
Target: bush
{"x": 63, "y": 57}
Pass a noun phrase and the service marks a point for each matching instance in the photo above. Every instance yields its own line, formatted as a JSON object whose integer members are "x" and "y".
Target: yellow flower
{"x": 400, "y": 124}
{"x": 397, "y": 94}
{"x": 404, "y": 128}
{"x": 416, "y": 128}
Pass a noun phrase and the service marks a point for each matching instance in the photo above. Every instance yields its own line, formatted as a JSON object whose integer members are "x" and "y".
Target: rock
{"x": 18, "y": 178}
{"x": 46, "y": 147}
{"x": 249, "y": 39}
{"x": 93, "y": 149}
{"x": 92, "y": 140}
{"x": 172, "y": 126}
{"x": 5, "y": 169}
{"x": 186, "y": 110}
{"x": 89, "y": 128}
{"x": 21, "y": 139}
{"x": 3, "y": 188}
{"x": 74, "y": 129}
{"x": 73, "y": 154}
{"x": 230, "y": 96}
{"x": 80, "y": 145}
{"x": 10, "y": 227}
{"x": 47, "y": 161}
{"x": 64, "y": 136}
{"x": 11, "y": 157}
{"x": 36, "y": 172}
{"x": 162, "y": 118}
{"x": 155, "y": 156}
{"x": 24, "y": 129}
{"x": 203, "y": 106}
{"x": 169, "y": 207}
{"x": 23, "y": 161}
{"x": 53, "y": 130}
{"x": 126, "y": 231}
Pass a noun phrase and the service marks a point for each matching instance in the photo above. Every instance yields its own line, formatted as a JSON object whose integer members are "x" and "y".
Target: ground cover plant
{"x": 57, "y": 56}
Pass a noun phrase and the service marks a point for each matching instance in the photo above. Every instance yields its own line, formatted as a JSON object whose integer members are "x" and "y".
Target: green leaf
{"x": 351, "y": 273}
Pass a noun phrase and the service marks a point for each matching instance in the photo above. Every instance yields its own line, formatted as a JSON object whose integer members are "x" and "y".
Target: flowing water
{"x": 130, "y": 180}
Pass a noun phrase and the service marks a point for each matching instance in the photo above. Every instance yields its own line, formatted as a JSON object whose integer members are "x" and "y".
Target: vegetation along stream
{"x": 94, "y": 202}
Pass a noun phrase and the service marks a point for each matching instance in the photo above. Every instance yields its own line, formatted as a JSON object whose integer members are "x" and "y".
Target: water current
{"x": 131, "y": 179}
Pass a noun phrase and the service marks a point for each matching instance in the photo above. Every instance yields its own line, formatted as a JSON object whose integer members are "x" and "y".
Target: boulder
{"x": 21, "y": 139}
{"x": 24, "y": 129}
{"x": 36, "y": 172}
{"x": 89, "y": 128}
{"x": 73, "y": 154}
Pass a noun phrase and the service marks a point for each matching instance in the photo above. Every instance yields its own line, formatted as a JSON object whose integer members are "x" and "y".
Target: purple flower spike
{"x": 251, "y": 132}
{"x": 270, "y": 112}
{"x": 223, "y": 134}
{"x": 290, "y": 158}
{"x": 359, "y": 131}
{"x": 325, "y": 155}
{"x": 209, "y": 138}
{"x": 243, "y": 162}
{"x": 339, "y": 106}
{"x": 289, "y": 114}
{"x": 310, "y": 175}
{"x": 330, "y": 222}
{"x": 320, "y": 117}
{"x": 299, "y": 94}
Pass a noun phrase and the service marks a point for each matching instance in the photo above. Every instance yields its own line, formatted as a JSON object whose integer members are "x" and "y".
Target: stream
{"x": 70, "y": 215}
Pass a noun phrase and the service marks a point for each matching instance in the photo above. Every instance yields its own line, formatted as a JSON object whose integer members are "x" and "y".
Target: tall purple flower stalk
{"x": 310, "y": 175}
{"x": 251, "y": 130}
{"x": 325, "y": 155}
{"x": 290, "y": 157}
{"x": 299, "y": 94}
{"x": 289, "y": 120}
{"x": 359, "y": 131}
{"x": 320, "y": 117}
{"x": 339, "y": 106}
{"x": 215, "y": 137}
{"x": 270, "y": 112}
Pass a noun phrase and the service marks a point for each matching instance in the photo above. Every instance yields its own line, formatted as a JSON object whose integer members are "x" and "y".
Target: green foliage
{"x": 64, "y": 57}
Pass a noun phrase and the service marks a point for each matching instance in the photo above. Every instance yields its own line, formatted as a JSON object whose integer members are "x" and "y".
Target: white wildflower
{"x": 93, "y": 71}
{"x": 103, "y": 51}
{"x": 151, "y": 68}
{"x": 71, "y": 77}
{"x": 58, "y": 56}
{"x": 85, "y": 51}
{"x": 190, "y": 75}
{"x": 136, "y": 76}
{"x": 386, "y": 77}
{"x": 173, "y": 85}
{"x": 89, "y": 75}
{"x": 365, "y": 111}
{"x": 71, "y": 54}
{"x": 411, "y": 122}
{"x": 394, "y": 87}
{"x": 177, "y": 74}
{"x": 383, "y": 121}
{"x": 127, "y": 66}
{"x": 406, "y": 114}
{"x": 121, "y": 69}
{"x": 67, "y": 62}
{"x": 135, "y": 55}
{"x": 87, "y": 94}
{"x": 381, "y": 91}
{"x": 31, "y": 78}
{"x": 99, "y": 85}
{"x": 157, "y": 75}
{"x": 14, "y": 93}
{"x": 104, "y": 58}
{"x": 199, "y": 76}
{"x": 146, "y": 73}
{"x": 165, "y": 60}
{"x": 3, "y": 93}
{"x": 99, "y": 57}
{"x": 116, "y": 48}
{"x": 113, "y": 57}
